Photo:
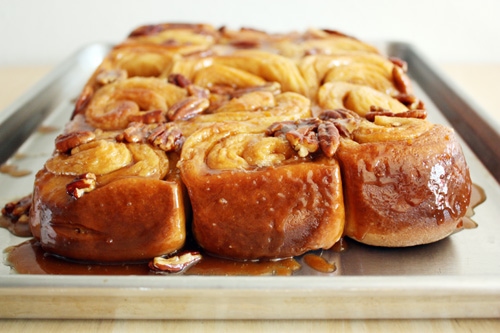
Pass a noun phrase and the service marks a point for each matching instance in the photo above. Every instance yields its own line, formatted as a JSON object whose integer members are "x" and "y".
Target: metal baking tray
{"x": 458, "y": 277}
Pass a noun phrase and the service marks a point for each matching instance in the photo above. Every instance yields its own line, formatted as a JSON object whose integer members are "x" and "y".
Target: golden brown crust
{"x": 111, "y": 223}
{"x": 248, "y": 206}
{"x": 403, "y": 193}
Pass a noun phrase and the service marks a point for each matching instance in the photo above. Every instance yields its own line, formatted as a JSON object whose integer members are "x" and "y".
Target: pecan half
{"x": 187, "y": 108}
{"x": 179, "y": 80}
{"x": 329, "y": 138}
{"x": 174, "y": 264}
{"x": 65, "y": 142}
{"x": 82, "y": 184}
{"x": 401, "y": 81}
{"x": 307, "y": 136}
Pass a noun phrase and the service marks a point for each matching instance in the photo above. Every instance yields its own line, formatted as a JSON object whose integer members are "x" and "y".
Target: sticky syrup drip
{"x": 319, "y": 263}
{"x": 478, "y": 196}
{"x": 29, "y": 258}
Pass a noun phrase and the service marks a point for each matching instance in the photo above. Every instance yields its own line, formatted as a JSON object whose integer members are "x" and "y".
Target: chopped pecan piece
{"x": 136, "y": 132}
{"x": 281, "y": 128}
{"x": 175, "y": 264}
{"x": 82, "y": 184}
{"x": 411, "y": 101}
{"x": 167, "y": 137}
{"x": 65, "y": 142}
{"x": 401, "y": 81}
{"x": 303, "y": 140}
{"x": 187, "y": 108}
{"x": 18, "y": 210}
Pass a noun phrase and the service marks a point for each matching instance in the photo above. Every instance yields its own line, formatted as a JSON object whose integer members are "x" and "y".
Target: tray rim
{"x": 257, "y": 297}
{"x": 396, "y": 289}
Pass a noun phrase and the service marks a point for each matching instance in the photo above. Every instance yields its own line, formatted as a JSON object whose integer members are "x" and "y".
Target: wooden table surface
{"x": 479, "y": 81}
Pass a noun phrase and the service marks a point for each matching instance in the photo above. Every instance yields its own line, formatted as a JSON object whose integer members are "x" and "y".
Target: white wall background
{"x": 34, "y": 32}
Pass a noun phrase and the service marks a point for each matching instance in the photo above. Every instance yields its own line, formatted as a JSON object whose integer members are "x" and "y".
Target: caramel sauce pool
{"x": 29, "y": 258}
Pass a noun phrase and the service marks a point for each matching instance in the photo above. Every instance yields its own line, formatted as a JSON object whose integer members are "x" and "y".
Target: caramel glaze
{"x": 29, "y": 258}
{"x": 404, "y": 194}
{"x": 99, "y": 233}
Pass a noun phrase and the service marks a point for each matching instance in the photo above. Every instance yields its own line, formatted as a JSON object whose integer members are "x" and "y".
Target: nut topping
{"x": 18, "y": 210}
{"x": 307, "y": 136}
{"x": 66, "y": 142}
{"x": 411, "y": 101}
{"x": 136, "y": 132}
{"x": 187, "y": 108}
{"x": 175, "y": 264}
{"x": 167, "y": 138}
{"x": 179, "y": 80}
{"x": 82, "y": 184}
{"x": 401, "y": 81}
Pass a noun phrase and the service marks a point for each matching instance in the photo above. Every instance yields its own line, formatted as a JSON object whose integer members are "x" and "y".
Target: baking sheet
{"x": 456, "y": 277}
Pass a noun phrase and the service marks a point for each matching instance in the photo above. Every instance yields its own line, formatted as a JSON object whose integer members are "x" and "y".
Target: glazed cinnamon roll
{"x": 254, "y": 197}
{"x": 405, "y": 182}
